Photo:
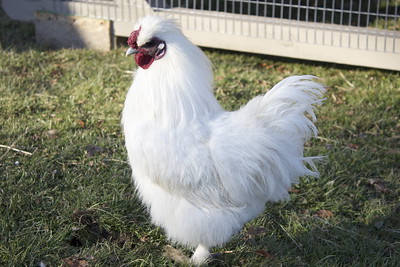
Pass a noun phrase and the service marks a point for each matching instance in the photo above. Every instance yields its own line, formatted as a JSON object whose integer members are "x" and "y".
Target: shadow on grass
{"x": 16, "y": 35}
{"x": 321, "y": 242}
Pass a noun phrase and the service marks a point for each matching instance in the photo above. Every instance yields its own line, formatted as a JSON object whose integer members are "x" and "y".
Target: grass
{"x": 70, "y": 199}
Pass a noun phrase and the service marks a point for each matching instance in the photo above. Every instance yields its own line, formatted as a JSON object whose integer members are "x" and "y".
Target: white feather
{"x": 203, "y": 172}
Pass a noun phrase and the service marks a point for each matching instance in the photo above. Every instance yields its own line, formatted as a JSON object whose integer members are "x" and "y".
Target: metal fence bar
{"x": 395, "y": 28}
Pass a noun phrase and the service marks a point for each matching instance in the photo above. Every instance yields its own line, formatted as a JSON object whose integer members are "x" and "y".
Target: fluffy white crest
{"x": 153, "y": 26}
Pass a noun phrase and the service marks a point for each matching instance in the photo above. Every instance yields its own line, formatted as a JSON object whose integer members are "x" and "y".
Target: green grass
{"x": 72, "y": 198}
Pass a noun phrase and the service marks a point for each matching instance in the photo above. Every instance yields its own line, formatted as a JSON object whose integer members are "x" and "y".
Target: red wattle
{"x": 144, "y": 61}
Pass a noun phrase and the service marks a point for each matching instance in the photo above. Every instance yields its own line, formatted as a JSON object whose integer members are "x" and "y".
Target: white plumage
{"x": 201, "y": 171}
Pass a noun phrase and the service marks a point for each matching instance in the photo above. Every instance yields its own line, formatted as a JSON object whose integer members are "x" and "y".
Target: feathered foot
{"x": 200, "y": 255}
{"x": 176, "y": 255}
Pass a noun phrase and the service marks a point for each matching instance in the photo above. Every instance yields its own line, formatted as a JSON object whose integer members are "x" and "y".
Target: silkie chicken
{"x": 201, "y": 171}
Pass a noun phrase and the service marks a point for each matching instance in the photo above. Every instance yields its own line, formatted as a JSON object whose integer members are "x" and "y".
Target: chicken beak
{"x": 131, "y": 51}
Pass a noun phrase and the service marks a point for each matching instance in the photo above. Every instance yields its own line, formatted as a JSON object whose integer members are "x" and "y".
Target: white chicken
{"x": 201, "y": 171}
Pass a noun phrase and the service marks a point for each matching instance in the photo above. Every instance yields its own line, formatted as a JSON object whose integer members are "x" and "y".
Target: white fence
{"x": 355, "y": 32}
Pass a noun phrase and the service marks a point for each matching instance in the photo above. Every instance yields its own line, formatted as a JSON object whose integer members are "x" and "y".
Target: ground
{"x": 66, "y": 195}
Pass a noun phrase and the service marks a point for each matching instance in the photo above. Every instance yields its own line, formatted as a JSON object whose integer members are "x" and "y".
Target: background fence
{"x": 357, "y": 32}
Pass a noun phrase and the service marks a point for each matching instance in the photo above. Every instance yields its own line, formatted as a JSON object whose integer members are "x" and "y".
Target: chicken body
{"x": 201, "y": 171}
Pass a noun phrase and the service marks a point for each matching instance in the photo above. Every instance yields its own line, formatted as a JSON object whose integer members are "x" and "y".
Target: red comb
{"x": 133, "y": 38}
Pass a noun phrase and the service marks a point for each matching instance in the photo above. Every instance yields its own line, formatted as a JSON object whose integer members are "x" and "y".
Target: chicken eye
{"x": 150, "y": 43}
